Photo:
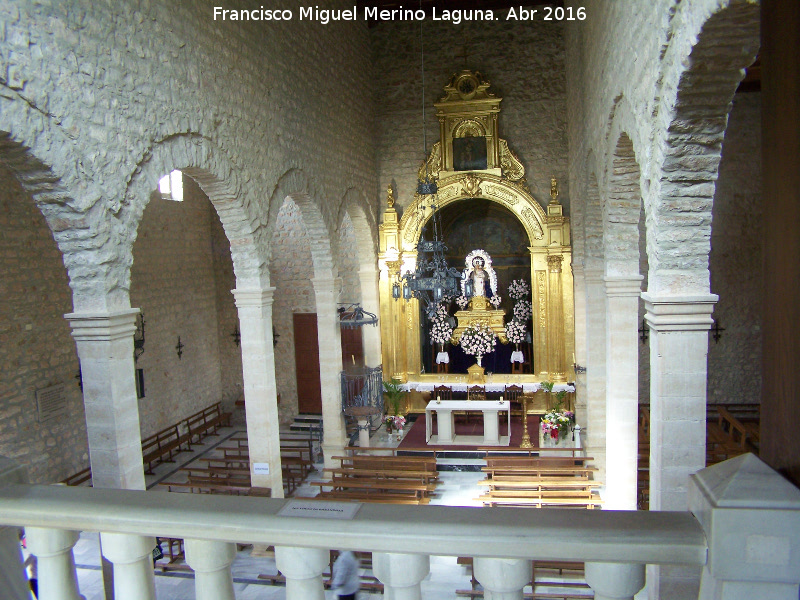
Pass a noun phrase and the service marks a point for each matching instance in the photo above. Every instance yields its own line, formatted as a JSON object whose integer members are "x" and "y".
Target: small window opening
{"x": 171, "y": 186}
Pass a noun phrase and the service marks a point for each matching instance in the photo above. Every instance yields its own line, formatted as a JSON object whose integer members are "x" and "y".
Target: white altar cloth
{"x": 527, "y": 388}
{"x": 446, "y": 425}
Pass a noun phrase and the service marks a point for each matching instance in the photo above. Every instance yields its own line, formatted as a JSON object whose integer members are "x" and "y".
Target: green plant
{"x": 394, "y": 393}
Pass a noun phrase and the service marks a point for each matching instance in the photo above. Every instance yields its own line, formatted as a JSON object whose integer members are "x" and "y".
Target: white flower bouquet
{"x": 495, "y": 300}
{"x": 519, "y": 289}
{"x": 523, "y": 310}
{"x": 462, "y": 302}
{"x": 515, "y": 332}
{"x": 441, "y": 330}
{"x": 478, "y": 339}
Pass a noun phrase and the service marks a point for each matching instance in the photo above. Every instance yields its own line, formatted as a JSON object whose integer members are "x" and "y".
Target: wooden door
{"x": 352, "y": 348}
{"x": 306, "y": 359}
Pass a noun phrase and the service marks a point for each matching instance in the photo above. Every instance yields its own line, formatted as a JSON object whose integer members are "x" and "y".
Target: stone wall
{"x": 523, "y": 60}
{"x": 178, "y": 275}
{"x": 37, "y": 350}
{"x": 291, "y": 270}
{"x": 734, "y": 362}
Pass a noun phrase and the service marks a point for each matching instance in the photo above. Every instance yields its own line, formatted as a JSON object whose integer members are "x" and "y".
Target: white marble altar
{"x": 446, "y": 425}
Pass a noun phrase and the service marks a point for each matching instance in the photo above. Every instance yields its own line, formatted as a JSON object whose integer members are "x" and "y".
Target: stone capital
{"x": 332, "y": 285}
{"x": 253, "y": 297}
{"x": 554, "y": 263}
{"x": 102, "y": 327}
{"x": 679, "y": 313}
{"x": 623, "y": 286}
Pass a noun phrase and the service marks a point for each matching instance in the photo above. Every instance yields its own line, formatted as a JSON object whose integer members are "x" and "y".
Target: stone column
{"x": 12, "y": 572}
{"x": 614, "y": 581}
{"x": 751, "y": 518}
{"x": 211, "y": 562}
{"x": 622, "y": 391}
{"x": 595, "y": 431}
{"x": 556, "y": 363}
{"x": 56, "y": 564}
{"x": 579, "y": 358}
{"x": 503, "y": 578}
{"x": 326, "y": 292}
{"x": 105, "y": 349}
{"x": 401, "y": 574}
{"x": 303, "y": 569}
{"x": 370, "y": 301}
{"x": 678, "y": 371}
{"x": 260, "y": 394}
{"x": 132, "y": 557}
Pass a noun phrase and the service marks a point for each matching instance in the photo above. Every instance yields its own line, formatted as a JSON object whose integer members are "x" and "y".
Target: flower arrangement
{"x": 399, "y": 422}
{"x": 515, "y": 332}
{"x": 495, "y": 300}
{"x": 441, "y": 331}
{"x": 523, "y": 310}
{"x": 462, "y": 302}
{"x": 519, "y": 289}
{"x": 558, "y": 423}
{"x": 478, "y": 339}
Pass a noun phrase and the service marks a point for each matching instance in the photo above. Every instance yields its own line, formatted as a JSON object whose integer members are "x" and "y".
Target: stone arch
{"x": 621, "y": 212}
{"x": 202, "y": 160}
{"x": 593, "y": 220}
{"x": 703, "y": 67}
{"x": 356, "y": 206}
{"x": 295, "y": 185}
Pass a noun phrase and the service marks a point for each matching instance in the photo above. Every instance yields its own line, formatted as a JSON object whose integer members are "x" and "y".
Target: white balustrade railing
{"x": 743, "y": 538}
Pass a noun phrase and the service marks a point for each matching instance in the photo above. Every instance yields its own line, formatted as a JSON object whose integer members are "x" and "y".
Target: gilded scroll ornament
{"x": 433, "y": 165}
{"x": 542, "y": 291}
{"x": 511, "y": 165}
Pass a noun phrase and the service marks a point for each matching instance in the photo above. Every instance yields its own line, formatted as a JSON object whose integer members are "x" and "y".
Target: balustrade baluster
{"x": 614, "y": 581}
{"x": 56, "y": 564}
{"x": 401, "y": 574}
{"x": 211, "y": 562}
{"x": 132, "y": 557}
{"x": 303, "y": 569}
{"x": 503, "y": 578}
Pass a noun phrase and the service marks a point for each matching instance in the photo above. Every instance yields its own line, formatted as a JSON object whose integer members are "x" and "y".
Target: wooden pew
{"x": 79, "y": 477}
{"x": 390, "y": 486}
{"x": 542, "y": 498}
{"x": 408, "y": 463}
{"x": 206, "y": 422}
{"x": 382, "y": 498}
{"x": 424, "y": 476}
{"x": 160, "y": 447}
{"x": 726, "y": 438}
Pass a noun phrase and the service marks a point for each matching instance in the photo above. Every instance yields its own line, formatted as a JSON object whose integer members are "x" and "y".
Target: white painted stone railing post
{"x": 303, "y": 569}
{"x": 12, "y": 572}
{"x": 614, "y": 581}
{"x": 401, "y": 574}
{"x": 260, "y": 392}
{"x": 211, "y": 562}
{"x": 56, "y": 564}
{"x": 132, "y": 557}
{"x": 504, "y": 578}
{"x": 751, "y": 518}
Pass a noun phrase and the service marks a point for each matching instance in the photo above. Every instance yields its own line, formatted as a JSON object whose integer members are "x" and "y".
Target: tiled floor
{"x": 455, "y": 489}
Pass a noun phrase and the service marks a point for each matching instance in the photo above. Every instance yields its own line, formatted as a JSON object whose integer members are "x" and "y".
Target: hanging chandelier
{"x": 433, "y": 280}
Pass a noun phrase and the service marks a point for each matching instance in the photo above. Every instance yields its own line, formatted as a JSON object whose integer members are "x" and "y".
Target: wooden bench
{"x": 382, "y": 498}
{"x": 206, "y": 422}
{"x": 510, "y": 482}
{"x": 495, "y": 470}
{"x": 726, "y": 438}
{"x": 408, "y": 463}
{"x": 424, "y": 476}
{"x": 542, "y": 498}
{"x": 79, "y": 477}
{"x": 160, "y": 447}
{"x": 413, "y": 488}
{"x": 200, "y": 487}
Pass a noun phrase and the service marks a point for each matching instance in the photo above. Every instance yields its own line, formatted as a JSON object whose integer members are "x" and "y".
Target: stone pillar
{"x": 622, "y": 391}
{"x": 678, "y": 367}
{"x": 105, "y": 349}
{"x": 579, "y": 357}
{"x": 503, "y": 578}
{"x": 211, "y": 562}
{"x": 56, "y": 564}
{"x": 132, "y": 557}
{"x": 260, "y": 394}
{"x": 303, "y": 569}
{"x": 13, "y": 578}
{"x": 595, "y": 431}
{"x": 556, "y": 362}
{"x": 370, "y": 302}
{"x": 614, "y": 581}
{"x": 751, "y": 518}
{"x": 401, "y": 574}
{"x": 326, "y": 292}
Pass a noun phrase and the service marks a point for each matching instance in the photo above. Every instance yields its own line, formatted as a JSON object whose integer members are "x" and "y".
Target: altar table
{"x": 446, "y": 426}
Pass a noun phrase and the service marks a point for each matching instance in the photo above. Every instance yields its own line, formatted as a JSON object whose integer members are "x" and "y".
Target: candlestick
{"x": 526, "y": 439}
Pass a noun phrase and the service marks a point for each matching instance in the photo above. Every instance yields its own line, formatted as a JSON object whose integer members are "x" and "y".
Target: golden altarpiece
{"x": 471, "y": 161}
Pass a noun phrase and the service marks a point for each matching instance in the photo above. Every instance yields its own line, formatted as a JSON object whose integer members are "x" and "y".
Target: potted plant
{"x": 395, "y": 394}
